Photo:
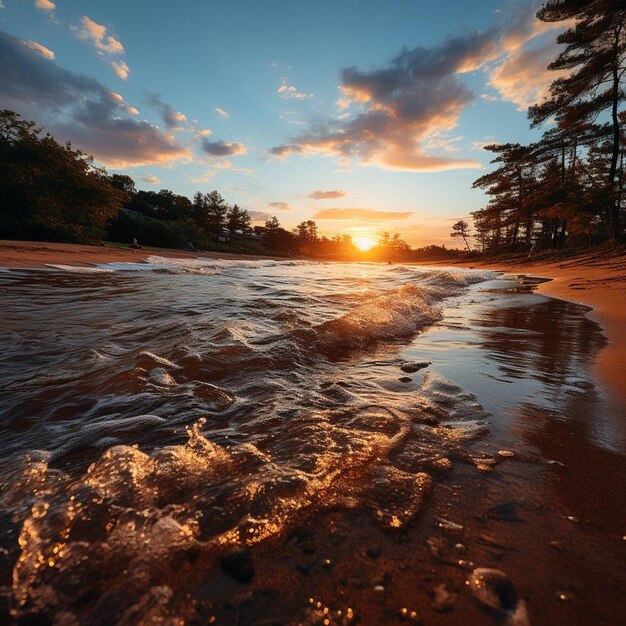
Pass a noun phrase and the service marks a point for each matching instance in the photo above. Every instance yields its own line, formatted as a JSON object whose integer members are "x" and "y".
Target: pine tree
{"x": 595, "y": 57}
{"x": 461, "y": 229}
{"x": 214, "y": 213}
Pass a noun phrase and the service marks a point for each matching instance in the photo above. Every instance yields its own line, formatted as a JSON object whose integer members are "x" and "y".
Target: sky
{"x": 363, "y": 115}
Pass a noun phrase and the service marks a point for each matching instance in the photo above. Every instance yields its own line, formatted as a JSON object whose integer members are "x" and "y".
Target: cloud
{"x": 289, "y": 92}
{"x": 326, "y": 195}
{"x": 42, "y": 50}
{"x": 488, "y": 97}
{"x": 524, "y": 78}
{"x": 121, "y": 69}
{"x": 205, "y": 132}
{"x": 364, "y": 215}
{"x": 222, "y": 148}
{"x": 96, "y": 34}
{"x": 221, "y": 112}
{"x": 151, "y": 179}
{"x": 397, "y": 108}
{"x": 79, "y": 108}
{"x": 259, "y": 216}
{"x": 45, "y": 5}
{"x": 171, "y": 117}
{"x": 281, "y": 206}
{"x": 203, "y": 178}
{"x": 443, "y": 142}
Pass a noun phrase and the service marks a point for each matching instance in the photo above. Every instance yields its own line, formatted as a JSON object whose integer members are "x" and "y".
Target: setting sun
{"x": 364, "y": 243}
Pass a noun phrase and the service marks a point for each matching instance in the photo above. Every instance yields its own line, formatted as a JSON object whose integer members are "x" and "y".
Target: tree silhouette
{"x": 595, "y": 57}
{"x": 461, "y": 229}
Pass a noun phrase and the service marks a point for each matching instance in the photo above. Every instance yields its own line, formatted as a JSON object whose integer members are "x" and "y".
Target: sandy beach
{"x": 24, "y": 254}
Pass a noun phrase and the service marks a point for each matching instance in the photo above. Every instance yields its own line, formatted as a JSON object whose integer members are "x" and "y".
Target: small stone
{"x": 238, "y": 565}
{"x": 493, "y": 588}
{"x": 159, "y": 376}
{"x": 405, "y": 379}
{"x": 573, "y": 519}
{"x": 484, "y": 468}
{"x": 379, "y": 589}
{"x": 506, "y": 453}
{"x": 411, "y": 368}
{"x": 459, "y": 547}
{"x": 448, "y": 526}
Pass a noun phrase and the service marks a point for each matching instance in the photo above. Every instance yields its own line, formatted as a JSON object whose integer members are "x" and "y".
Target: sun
{"x": 364, "y": 243}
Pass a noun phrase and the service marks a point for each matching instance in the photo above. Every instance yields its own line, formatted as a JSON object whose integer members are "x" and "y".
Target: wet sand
{"x": 24, "y": 254}
{"x": 597, "y": 280}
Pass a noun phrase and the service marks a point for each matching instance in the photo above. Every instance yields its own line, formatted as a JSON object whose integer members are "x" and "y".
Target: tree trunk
{"x": 615, "y": 216}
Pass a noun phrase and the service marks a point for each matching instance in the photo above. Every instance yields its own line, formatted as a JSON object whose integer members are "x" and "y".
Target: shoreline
{"x": 37, "y": 254}
{"x": 593, "y": 279}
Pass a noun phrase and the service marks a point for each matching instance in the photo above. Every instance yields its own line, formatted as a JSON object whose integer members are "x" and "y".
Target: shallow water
{"x": 156, "y": 417}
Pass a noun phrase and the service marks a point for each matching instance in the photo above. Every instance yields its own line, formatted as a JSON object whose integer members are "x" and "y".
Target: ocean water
{"x": 156, "y": 417}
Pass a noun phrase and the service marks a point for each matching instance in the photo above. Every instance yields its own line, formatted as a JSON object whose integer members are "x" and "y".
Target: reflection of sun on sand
{"x": 364, "y": 243}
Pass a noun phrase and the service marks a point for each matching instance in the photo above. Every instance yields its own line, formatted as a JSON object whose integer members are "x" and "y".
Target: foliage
{"x": 49, "y": 190}
{"x": 567, "y": 187}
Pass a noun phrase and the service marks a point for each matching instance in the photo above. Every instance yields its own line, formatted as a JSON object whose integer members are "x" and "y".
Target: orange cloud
{"x": 524, "y": 78}
{"x": 42, "y": 50}
{"x": 365, "y": 215}
{"x": 45, "y": 5}
{"x": 121, "y": 69}
{"x": 406, "y": 106}
{"x": 326, "y": 195}
{"x": 281, "y": 206}
{"x": 96, "y": 34}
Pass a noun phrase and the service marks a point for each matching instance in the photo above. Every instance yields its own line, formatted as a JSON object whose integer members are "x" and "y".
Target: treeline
{"x": 567, "y": 188}
{"x": 51, "y": 192}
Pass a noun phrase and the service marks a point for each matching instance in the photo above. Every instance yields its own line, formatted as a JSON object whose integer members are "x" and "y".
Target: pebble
{"x": 506, "y": 453}
{"x": 493, "y": 589}
{"x": 411, "y": 368}
{"x": 448, "y": 526}
{"x": 159, "y": 376}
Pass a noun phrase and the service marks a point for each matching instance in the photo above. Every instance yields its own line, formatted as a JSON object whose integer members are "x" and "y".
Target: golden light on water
{"x": 364, "y": 243}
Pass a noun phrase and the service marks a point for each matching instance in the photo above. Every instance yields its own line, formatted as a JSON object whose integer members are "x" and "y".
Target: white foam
{"x": 79, "y": 269}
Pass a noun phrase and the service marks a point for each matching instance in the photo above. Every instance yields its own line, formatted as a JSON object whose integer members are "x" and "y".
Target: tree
{"x": 595, "y": 59}
{"x": 509, "y": 212}
{"x": 238, "y": 220}
{"x": 48, "y": 189}
{"x": 125, "y": 183}
{"x": 276, "y": 237}
{"x": 215, "y": 209}
{"x": 461, "y": 229}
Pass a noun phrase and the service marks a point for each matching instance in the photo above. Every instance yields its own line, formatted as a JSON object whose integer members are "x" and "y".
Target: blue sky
{"x": 336, "y": 111}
